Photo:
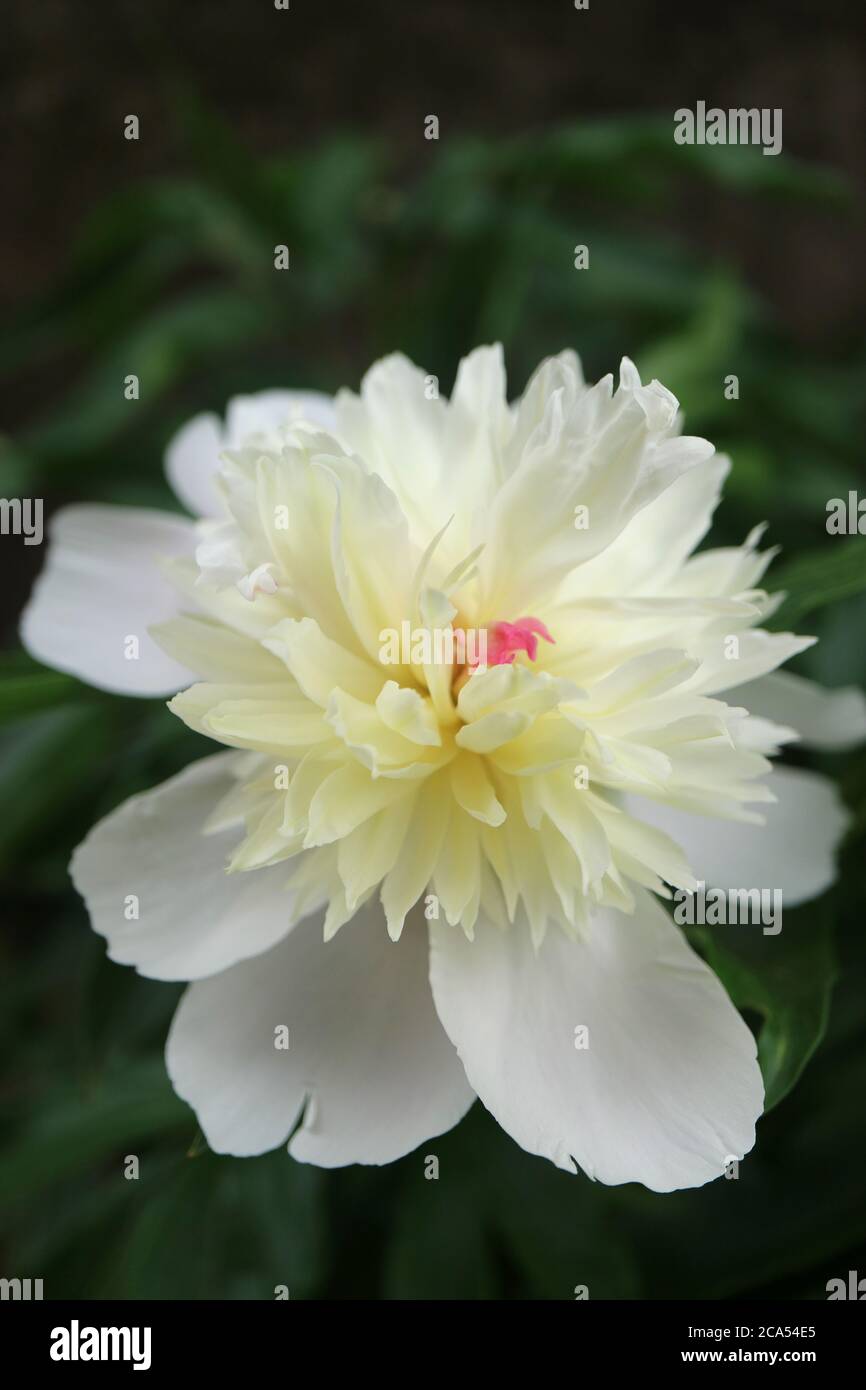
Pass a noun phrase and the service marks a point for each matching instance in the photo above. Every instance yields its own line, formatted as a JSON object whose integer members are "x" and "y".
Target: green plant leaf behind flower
{"x": 786, "y": 979}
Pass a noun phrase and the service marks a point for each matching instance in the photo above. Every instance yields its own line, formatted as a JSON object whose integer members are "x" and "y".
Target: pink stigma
{"x": 505, "y": 640}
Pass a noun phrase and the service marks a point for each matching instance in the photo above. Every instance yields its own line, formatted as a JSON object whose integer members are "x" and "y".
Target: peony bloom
{"x": 431, "y": 877}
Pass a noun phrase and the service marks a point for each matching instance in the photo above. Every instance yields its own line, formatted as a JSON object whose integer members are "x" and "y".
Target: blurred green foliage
{"x": 173, "y": 279}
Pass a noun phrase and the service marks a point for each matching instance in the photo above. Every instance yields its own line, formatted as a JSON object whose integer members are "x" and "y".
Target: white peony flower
{"x": 438, "y": 875}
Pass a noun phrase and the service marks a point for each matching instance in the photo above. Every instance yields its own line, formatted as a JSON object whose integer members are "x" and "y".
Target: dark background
{"x": 283, "y": 81}
{"x": 306, "y": 127}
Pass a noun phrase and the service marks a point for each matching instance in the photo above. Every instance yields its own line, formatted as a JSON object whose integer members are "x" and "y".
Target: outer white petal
{"x": 830, "y": 719}
{"x": 191, "y": 460}
{"x": 365, "y": 1046}
{"x": 193, "y": 918}
{"x": 793, "y": 852}
{"x": 668, "y": 1088}
{"x": 102, "y": 585}
{"x": 192, "y": 456}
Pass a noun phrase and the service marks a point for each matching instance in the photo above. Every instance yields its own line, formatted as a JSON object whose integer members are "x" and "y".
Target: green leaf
{"x": 213, "y": 1227}
{"x": 552, "y": 1231}
{"x": 439, "y": 1247}
{"x": 558, "y": 1228}
{"x": 797, "y": 1201}
{"x": 694, "y": 360}
{"x": 819, "y": 577}
{"x": 46, "y": 761}
{"x": 27, "y": 694}
{"x": 159, "y": 350}
{"x": 636, "y": 158}
{"x": 787, "y": 979}
{"x": 74, "y": 1131}
{"x": 745, "y": 168}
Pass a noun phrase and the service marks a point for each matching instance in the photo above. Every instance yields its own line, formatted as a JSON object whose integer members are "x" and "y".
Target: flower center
{"x": 503, "y": 642}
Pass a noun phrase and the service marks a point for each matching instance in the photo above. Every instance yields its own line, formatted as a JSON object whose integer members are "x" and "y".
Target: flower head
{"x": 581, "y": 719}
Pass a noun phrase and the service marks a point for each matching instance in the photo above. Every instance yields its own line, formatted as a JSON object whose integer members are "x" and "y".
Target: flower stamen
{"x": 505, "y": 640}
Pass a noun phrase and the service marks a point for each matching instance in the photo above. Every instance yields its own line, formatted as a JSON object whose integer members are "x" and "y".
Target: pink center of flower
{"x": 505, "y": 640}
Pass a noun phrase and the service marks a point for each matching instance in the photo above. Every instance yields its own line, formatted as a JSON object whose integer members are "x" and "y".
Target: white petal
{"x": 265, "y": 411}
{"x": 151, "y": 855}
{"x": 668, "y": 1087}
{"x": 101, "y": 586}
{"x": 794, "y": 851}
{"x": 192, "y": 456}
{"x": 191, "y": 460}
{"x": 365, "y": 1046}
{"x": 831, "y": 719}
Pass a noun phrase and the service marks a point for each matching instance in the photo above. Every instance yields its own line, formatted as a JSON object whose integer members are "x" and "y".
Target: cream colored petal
{"x": 319, "y": 665}
{"x": 214, "y": 651}
{"x": 373, "y": 558}
{"x": 379, "y": 748}
{"x": 265, "y": 718}
{"x": 368, "y": 854}
{"x": 474, "y": 791}
{"x": 346, "y": 798}
{"x": 408, "y": 713}
{"x": 414, "y": 868}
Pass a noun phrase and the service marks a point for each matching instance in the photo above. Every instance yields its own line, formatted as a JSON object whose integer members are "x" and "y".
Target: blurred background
{"x": 155, "y": 257}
